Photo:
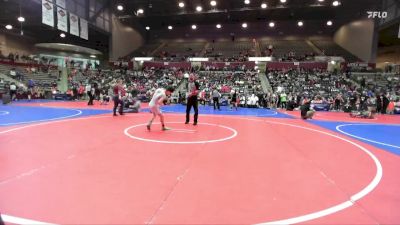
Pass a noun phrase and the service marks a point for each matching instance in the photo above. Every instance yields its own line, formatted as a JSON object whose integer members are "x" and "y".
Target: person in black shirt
{"x": 385, "y": 103}
{"x": 193, "y": 91}
{"x": 306, "y": 111}
{"x": 378, "y": 104}
{"x": 234, "y": 100}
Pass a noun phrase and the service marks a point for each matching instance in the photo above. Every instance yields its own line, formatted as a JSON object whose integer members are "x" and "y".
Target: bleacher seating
{"x": 230, "y": 49}
{"x": 180, "y": 50}
{"x": 330, "y": 48}
{"x": 282, "y": 48}
{"x": 385, "y": 82}
{"x": 144, "y": 50}
{"x": 41, "y": 79}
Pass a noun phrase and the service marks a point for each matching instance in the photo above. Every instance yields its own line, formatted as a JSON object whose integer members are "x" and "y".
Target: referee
{"x": 118, "y": 93}
{"x": 193, "y": 91}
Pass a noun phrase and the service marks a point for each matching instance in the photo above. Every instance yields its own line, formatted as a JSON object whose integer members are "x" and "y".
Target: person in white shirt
{"x": 13, "y": 91}
{"x": 159, "y": 98}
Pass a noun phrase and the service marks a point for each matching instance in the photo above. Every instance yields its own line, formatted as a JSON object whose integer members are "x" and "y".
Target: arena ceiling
{"x": 34, "y": 31}
{"x": 159, "y": 14}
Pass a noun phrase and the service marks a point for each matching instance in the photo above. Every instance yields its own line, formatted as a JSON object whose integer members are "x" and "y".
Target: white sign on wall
{"x": 62, "y": 19}
{"x": 74, "y": 24}
{"x": 47, "y": 13}
{"x": 61, "y": 3}
{"x": 84, "y": 29}
{"x": 399, "y": 32}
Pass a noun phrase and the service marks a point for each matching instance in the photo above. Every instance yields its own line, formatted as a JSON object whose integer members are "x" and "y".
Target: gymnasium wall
{"x": 124, "y": 39}
{"x": 15, "y": 44}
{"x": 357, "y": 38}
{"x": 282, "y": 30}
{"x": 388, "y": 54}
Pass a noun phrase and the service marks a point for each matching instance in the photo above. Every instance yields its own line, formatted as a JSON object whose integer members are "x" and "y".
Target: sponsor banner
{"x": 62, "y": 19}
{"x": 61, "y": 3}
{"x": 47, "y": 13}
{"x": 84, "y": 29}
{"x": 73, "y": 24}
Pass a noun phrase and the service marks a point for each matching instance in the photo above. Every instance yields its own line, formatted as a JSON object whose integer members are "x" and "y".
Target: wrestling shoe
{"x": 166, "y": 128}
{"x": 148, "y": 127}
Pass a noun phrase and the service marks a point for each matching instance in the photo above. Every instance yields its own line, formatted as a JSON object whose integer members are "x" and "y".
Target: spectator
{"x": 216, "y": 98}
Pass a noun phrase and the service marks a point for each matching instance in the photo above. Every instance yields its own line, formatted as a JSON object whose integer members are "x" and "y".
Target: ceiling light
{"x": 246, "y": 2}
{"x": 140, "y": 11}
{"x": 199, "y": 8}
{"x": 9, "y": 27}
{"x": 194, "y": 27}
{"x": 169, "y": 27}
{"x": 92, "y": 56}
{"x": 300, "y": 23}
{"x": 336, "y": 3}
{"x": 283, "y": 1}
{"x": 244, "y": 25}
{"x": 120, "y": 7}
{"x": 62, "y": 35}
{"x": 271, "y": 24}
{"x": 181, "y": 4}
{"x": 147, "y": 28}
{"x": 213, "y": 3}
{"x": 218, "y": 26}
{"x": 321, "y": 0}
{"x": 329, "y": 23}
{"x": 264, "y": 5}
{"x": 21, "y": 19}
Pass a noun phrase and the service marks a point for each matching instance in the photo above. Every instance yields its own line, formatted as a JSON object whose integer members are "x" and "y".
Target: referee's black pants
{"x": 91, "y": 98}
{"x": 216, "y": 103}
{"x": 117, "y": 102}
{"x": 192, "y": 101}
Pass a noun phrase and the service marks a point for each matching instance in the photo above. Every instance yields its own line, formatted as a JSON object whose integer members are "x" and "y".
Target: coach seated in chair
{"x": 131, "y": 104}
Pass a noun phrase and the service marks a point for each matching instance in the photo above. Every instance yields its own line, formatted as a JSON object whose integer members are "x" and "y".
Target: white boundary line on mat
{"x": 303, "y": 218}
{"x": 366, "y": 139}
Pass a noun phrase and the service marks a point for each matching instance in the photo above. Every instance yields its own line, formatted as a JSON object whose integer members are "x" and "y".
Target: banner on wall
{"x": 61, "y": 3}
{"x": 47, "y": 13}
{"x": 73, "y": 24}
{"x": 399, "y": 32}
{"x": 84, "y": 29}
{"x": 62, "y": 19}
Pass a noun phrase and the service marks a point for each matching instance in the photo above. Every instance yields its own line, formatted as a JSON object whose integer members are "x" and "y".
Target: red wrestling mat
{"x": 345, "y": 117}
{"x": 227, "y": 170}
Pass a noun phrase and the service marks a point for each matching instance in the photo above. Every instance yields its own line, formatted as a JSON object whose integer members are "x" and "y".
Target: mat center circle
{"x": 181, "y": 133}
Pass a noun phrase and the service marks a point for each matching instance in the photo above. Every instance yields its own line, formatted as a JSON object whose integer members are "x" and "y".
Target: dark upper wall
{"x": 15, "y": 44}
{"x": 358, "y": 38}
{"x": 254, "y": 30}
{"x": 124, "y": 39}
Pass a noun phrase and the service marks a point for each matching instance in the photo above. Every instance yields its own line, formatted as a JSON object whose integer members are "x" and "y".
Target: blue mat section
{"x": 383, "y": 136}
{"x": 209, "y": 110}
{"x": 15, "y": 115}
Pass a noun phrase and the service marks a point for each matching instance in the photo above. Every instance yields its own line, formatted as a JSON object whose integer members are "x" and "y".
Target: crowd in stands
{"x": 289, "y": 56}
{"x": 329, "y": 91}
{"x": 245, "y": 84}
{"x": 142, "y": 83}
{"x": 32, "y": 80}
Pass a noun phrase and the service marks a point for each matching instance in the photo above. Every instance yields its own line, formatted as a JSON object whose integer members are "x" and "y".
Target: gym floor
{"x": 67, "y": 163}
